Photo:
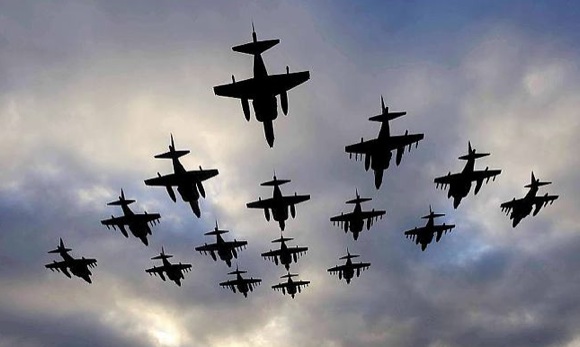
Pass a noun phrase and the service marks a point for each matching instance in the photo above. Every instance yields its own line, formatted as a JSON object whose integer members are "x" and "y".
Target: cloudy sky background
{"x": 91, "y": 90}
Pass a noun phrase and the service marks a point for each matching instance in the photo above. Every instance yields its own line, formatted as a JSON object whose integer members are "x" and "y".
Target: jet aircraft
{"x": 521, "y": 208}
{"x": 460, "y": 183}
{"x": 262, "y": 89}
{"x": 285, "y": 255}
{"x": 348, "y": 269}
{"x": 173, "y": 271}
{"x": 243, "y": 285}
{"x": 355, "y": 220}
{"x": 424, "y": 235}
{"x": 290, "y": 286}
{"x": 226, "y": 250}
{"x": 78, "y": 267}
{"x": 138, "y": 223}
{"x": 377, "y": 152}
{"x": 189, "y": 183}
{"x": 278, "y": 203}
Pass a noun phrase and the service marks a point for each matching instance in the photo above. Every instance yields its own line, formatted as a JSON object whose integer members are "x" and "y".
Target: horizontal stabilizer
{"x": 237, "y": 272}
{"x": 289, "y": 275}
{"x": 349, "y": 256}
{"x": 217, "y": 232}
{"x": 358, "y": 200}
{"x": 387, "y": 117}
{"x": 275, "y": 182}
{"x": 473, "y": 156}
{"x": 172, "y": 154}
{"x": 256, "y": 47}
{"x": 283, "y": 239}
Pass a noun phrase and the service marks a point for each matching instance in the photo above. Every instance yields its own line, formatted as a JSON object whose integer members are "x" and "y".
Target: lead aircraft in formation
{"x": 78, "y": 267}
{"x": 189, "y": 183}
{"x": 226, "y": 250}
{"x": 262, "y": 89}
{"x": 424, "y": 235}
{"x": 243, "y": 285}
{"x": 521, "y": 208}
{"x": 355, "y": 220}
{"x": 460, "y": 183}
{"x": 349, "y": 268}
{"x": 138, "y": 223}
{"x": 377, "y": 152}
{"x": 290, "y": 286}
{"x": 278, "y": 203}
{"x": 285, "y": 255}
{"x": 173, "y": 271}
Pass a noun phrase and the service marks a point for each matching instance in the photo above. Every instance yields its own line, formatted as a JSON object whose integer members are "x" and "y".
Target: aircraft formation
{"x": 263, "y": 89}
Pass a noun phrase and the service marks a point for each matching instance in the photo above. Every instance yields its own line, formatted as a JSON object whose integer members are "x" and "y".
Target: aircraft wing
{"x": 252, "y": 88}
{"x": 297, "y": 250}
{"x": 447, "y": 179}
{"x": 294, "y": 199}
{"x": 361, "y": 266}
{"x": 126, "y": 220}
{"x": 272, "y": 254}
{"x": 338, "y": 268}
{"x": 399, "y": 141}
{"x": 301, "y": 283}
{"x": 415, "y": 231}
{"x": 442, "y": 227}
{"x": 346, "y": 217}
{"x": 212, "y": 247}
{"x": 266, "y": 203}
{"x": 183, "y": 178}
{"x": 372, "y": 214}
{"x": 156, "y": 270}
{"x": 181, "y": 267}
{"x": 480, "y": 175}
{"x": 57, "y": 265}
{"x": 231, "y": 284}
{"x": 280, "y": 285}
{"x": 510, "y": 205}
{"x": 543, "y": 200}
{"x": 362, "y": 147}
{"x": 235, "y": 244}
{"x": 85, "y": 262}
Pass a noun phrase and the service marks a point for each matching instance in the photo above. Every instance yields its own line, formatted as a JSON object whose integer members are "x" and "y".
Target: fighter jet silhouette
{"x": 521, "y": 208}
{"x": 290, "y": 286}
{"x": 355, "y": 220}
{"x": 138, "y": 223}
{"x": 189, "y": 183}
{"x": 278, "y": 203}
{"x": 460, "y": 183}
{"x": 377, "y": 152}
{"x": 348, "y": 269}
{"x": 78, "y": 267}
{"x": 424, "y": 235}
{"x": 285, "y": 255}
{"x": 263, "y": 88}
{"x": 173, "y": 271}
{"x": 243, "y": 285}
{"x": 226, "y": 250}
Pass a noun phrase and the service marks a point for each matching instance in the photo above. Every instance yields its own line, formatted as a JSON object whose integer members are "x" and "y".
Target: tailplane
{"x": 255, "y": 47}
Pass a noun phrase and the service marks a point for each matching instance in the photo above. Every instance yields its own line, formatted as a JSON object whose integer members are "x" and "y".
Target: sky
{"x": 90, "y": 91}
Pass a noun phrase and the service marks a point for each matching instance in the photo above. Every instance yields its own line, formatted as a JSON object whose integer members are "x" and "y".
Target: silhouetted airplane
{"x": 242, "y": 284}
{"x": 347, "y": 270}
{"x": 355, "y": 220}
{"x": 285, "y": 255}
{"x": 263, "y": 88}
{"x": 173, "y": 271}
{"x": 225, "y": 249}
{"x": 138, "y": 223}
{"x": 78, "y": 267}
{"x": 424, "y": 235}
{"x": 189, "y": 183}
{"x": 278, "y": 203}
{"x": 460, "y": 183}
{"x": 520, "y": 208}
{"x": 377, "y": 152}
{"x": 290, "y": 286}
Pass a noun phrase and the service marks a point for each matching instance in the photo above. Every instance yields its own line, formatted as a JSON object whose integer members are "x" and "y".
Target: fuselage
{"x": 280, "y": 209}
{"x": 242, "y": 285}
{"x": 172, "y": 272}
{"x": 224, "y": 252}
{"x": 76, "y": 268}
{"x": 357, "y": 222}
{"x": 426, "y": 236}
{"x": 524, "y": 208}
{"x": 461, "y": 187}
{"x": 138, "y": 228}
{"x": 348, "y": 271}
{"x": 187, "y": 190}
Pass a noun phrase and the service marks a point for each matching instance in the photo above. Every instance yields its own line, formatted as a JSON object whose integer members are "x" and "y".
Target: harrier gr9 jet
{"x": 263, "y": 88}
{"x": 460, "y": 183}
{"x": 424, "y": 235}
{"x": 349, "y": 268}
{"x": 173, "y": 271}
{"x": 243, "y": 285}
{"x": 290, "y": 286}
{"x": 521, "y": 208}
{"x": 355, "y": 220}
{"x": 285, "y": 255}
{"x": 377, "y": 152}
{"x": 189, "y": 183}
{"x": 78, "y": 267}
{"x": 138, "y": 223}
{"x": 278, "y": 203}
{"x": 226, "y": 250}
